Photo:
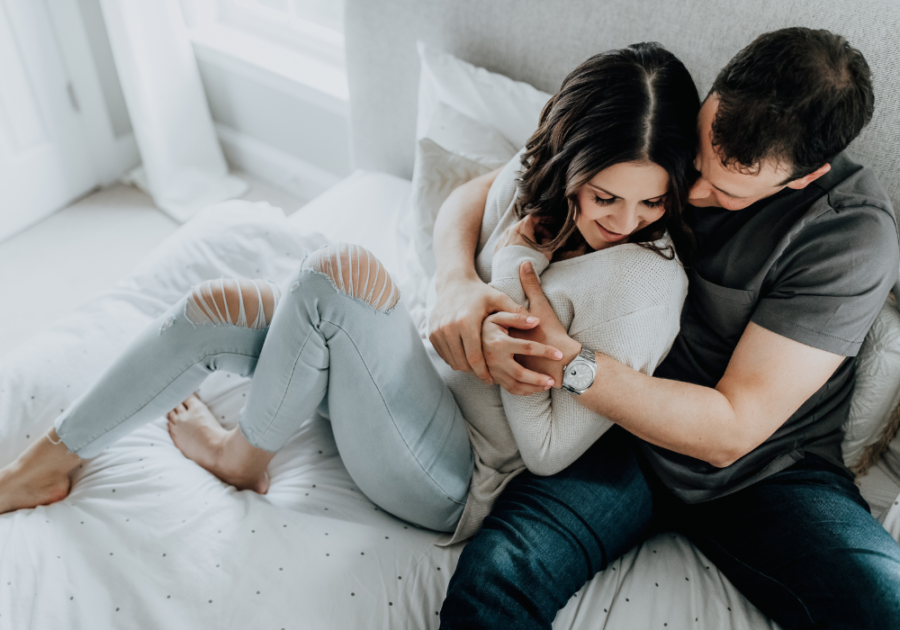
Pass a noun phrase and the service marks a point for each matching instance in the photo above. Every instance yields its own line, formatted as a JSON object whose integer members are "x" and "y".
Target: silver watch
{"x": 579, "y": 374}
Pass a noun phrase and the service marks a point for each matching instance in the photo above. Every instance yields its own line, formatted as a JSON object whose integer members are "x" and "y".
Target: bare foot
{"x": 226, "y": 454}
{"x": 39, "y": 476}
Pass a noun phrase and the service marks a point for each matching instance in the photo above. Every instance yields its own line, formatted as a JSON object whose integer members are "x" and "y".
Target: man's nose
{"x": 700, "y": 190}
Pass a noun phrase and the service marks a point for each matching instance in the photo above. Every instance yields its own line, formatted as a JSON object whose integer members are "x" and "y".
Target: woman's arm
{"x": 551, "y": 428}
{"x": 463, "y": 300}
{"x": 548, "y": 438}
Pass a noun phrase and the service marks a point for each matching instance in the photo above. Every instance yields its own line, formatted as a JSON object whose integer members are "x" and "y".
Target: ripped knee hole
{"x": 245, "y": 303}
{"x": 356, "y": 271}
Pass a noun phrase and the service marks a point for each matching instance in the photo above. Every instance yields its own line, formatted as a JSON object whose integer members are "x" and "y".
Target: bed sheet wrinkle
{"x": 149, "y": 539}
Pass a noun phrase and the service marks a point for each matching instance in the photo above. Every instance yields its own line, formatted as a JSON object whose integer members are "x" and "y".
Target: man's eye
{"x": 600, "y": 201}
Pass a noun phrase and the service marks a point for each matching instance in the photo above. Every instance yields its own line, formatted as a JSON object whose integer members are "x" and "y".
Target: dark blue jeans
{"x": 801, "y": 544}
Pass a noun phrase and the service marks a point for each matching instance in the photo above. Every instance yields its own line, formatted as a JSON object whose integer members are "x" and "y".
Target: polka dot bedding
{"x": 147, "y": 539}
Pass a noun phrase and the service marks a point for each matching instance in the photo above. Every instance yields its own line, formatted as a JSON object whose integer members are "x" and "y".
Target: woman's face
{"x": 620, "y": 200}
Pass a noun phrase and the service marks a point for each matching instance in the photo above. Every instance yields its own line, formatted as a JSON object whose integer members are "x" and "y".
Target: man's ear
{"x": 803, "y": 182}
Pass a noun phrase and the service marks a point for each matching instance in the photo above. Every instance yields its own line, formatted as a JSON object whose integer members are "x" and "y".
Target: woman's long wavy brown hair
{"x": 636, "y": 104}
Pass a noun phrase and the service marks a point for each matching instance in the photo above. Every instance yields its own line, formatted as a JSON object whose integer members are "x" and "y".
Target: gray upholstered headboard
{"x": 540, "y": 41}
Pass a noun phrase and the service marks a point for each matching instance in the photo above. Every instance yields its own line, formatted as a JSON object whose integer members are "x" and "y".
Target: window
{"x": 309, "y": 26}
{"x": 298, "y": 44}
{"x": 326, "y": 13}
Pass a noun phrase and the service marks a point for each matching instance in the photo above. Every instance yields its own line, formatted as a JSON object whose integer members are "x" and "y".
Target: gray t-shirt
{"x": 814, "y": 265}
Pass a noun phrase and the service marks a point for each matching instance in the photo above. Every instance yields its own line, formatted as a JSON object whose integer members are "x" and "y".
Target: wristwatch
{"x": 579, "y": 374}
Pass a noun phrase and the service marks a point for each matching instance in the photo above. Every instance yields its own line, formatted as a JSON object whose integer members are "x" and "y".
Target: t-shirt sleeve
{"x": 830, "y": 283}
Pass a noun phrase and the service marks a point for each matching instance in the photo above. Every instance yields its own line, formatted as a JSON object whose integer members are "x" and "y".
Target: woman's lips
{"x": 611, "y": 237}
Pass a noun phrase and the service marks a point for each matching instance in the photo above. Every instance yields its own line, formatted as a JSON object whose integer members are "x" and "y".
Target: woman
{"x": 605, "y": 178}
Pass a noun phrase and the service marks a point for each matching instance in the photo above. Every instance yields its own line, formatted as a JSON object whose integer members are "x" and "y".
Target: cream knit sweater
{"x": 624, "y": 301}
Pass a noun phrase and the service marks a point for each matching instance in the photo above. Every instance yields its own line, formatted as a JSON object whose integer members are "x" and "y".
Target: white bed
{"x": 148, "y": 539}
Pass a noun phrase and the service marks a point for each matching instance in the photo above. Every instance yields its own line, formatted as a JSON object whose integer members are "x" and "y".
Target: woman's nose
{"x": 627, "y": 221}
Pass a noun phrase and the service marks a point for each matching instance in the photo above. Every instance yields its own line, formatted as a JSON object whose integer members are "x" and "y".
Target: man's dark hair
{"x": 797, "y": 95}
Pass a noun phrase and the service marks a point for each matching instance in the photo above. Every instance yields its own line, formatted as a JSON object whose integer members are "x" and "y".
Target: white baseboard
{"x": 282, "y": 170}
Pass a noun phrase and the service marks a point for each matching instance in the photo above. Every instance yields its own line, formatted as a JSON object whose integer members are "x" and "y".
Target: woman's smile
{"x": 629, "y": 195}
{"x": 609, "y": 236}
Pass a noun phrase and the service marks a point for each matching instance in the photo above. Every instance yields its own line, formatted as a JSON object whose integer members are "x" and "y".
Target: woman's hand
{"x": 543, "y": 350}
{"x": 520, "y": 233}
{"x": 455, "y": 323}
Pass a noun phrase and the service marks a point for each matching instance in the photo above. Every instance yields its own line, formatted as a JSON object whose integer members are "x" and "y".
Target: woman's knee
{"x": 355, "y": 271}
{"x": 246, "y": 303}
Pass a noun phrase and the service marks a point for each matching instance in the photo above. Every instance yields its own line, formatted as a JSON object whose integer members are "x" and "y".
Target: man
{"x": 735, "y": 441}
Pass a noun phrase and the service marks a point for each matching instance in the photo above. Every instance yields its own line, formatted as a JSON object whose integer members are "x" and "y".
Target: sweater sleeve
{"x": 551, "y": 428}
{"x": 502, "y": 194}
{"x": 536, "y": 418}
{"x": 505, "y": 269}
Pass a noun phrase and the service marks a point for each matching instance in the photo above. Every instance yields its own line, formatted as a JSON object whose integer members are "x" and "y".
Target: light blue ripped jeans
{"x": 338, "y": 335}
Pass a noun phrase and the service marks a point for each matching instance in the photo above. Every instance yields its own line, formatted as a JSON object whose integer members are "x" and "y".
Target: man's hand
{"x": 528, "y": 359}
{"x": 456, "y": 319}
{"x": 463, "y": 300}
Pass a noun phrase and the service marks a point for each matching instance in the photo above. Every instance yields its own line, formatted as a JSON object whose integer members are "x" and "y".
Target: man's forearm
{"x": 457, "y": 228}
{"x": 767, "y": 379}
{"x": 690, "y": 419}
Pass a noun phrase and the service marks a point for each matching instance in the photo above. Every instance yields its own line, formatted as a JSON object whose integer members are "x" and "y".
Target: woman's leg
{"x": 339, "y": 332}
{"x": 220, "y": 324}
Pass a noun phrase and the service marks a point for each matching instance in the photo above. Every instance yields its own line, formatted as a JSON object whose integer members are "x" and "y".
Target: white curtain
{"x": 183, "y": 167}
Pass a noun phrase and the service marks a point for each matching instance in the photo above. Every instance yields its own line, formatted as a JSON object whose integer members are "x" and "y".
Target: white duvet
{"x": 148, "y": 539}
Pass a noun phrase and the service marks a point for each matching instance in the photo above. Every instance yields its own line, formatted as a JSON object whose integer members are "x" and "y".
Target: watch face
{"x": 579, "y": 376}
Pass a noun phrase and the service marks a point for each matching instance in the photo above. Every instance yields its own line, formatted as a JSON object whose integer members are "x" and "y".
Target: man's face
{"x": 727, "y": 187}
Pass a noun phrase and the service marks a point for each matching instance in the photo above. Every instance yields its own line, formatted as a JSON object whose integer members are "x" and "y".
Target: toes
{"x": 262, "y": 486}
{"x": 191, "y": 401}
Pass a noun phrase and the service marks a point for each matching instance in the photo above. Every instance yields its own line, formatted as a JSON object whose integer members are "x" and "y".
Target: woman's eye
{"x": 601, "y": 201}
{"x": 654, "y": 204}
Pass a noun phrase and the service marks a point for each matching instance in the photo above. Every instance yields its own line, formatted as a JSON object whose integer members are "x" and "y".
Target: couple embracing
{"x": 572, "y": 408}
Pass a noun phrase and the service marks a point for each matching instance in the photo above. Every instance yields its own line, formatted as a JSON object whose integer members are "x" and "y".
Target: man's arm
{"x": 463, "y": 300}
{"x": 768, "y": 378}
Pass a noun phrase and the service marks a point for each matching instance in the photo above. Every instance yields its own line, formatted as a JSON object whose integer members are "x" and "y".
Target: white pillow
{"x": 465, "y": 136}
{"x": 454, "y": 150}
{"x": 470, "y": 121}
{"x": 511, "y": 107}
{"x": 876, "y": 394}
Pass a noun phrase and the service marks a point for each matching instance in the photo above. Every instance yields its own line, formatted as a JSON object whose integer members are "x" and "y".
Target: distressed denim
{"x": 396, "y": 424}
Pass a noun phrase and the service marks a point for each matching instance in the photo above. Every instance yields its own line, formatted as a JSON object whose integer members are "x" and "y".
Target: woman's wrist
{"x": 570, "y": 349}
